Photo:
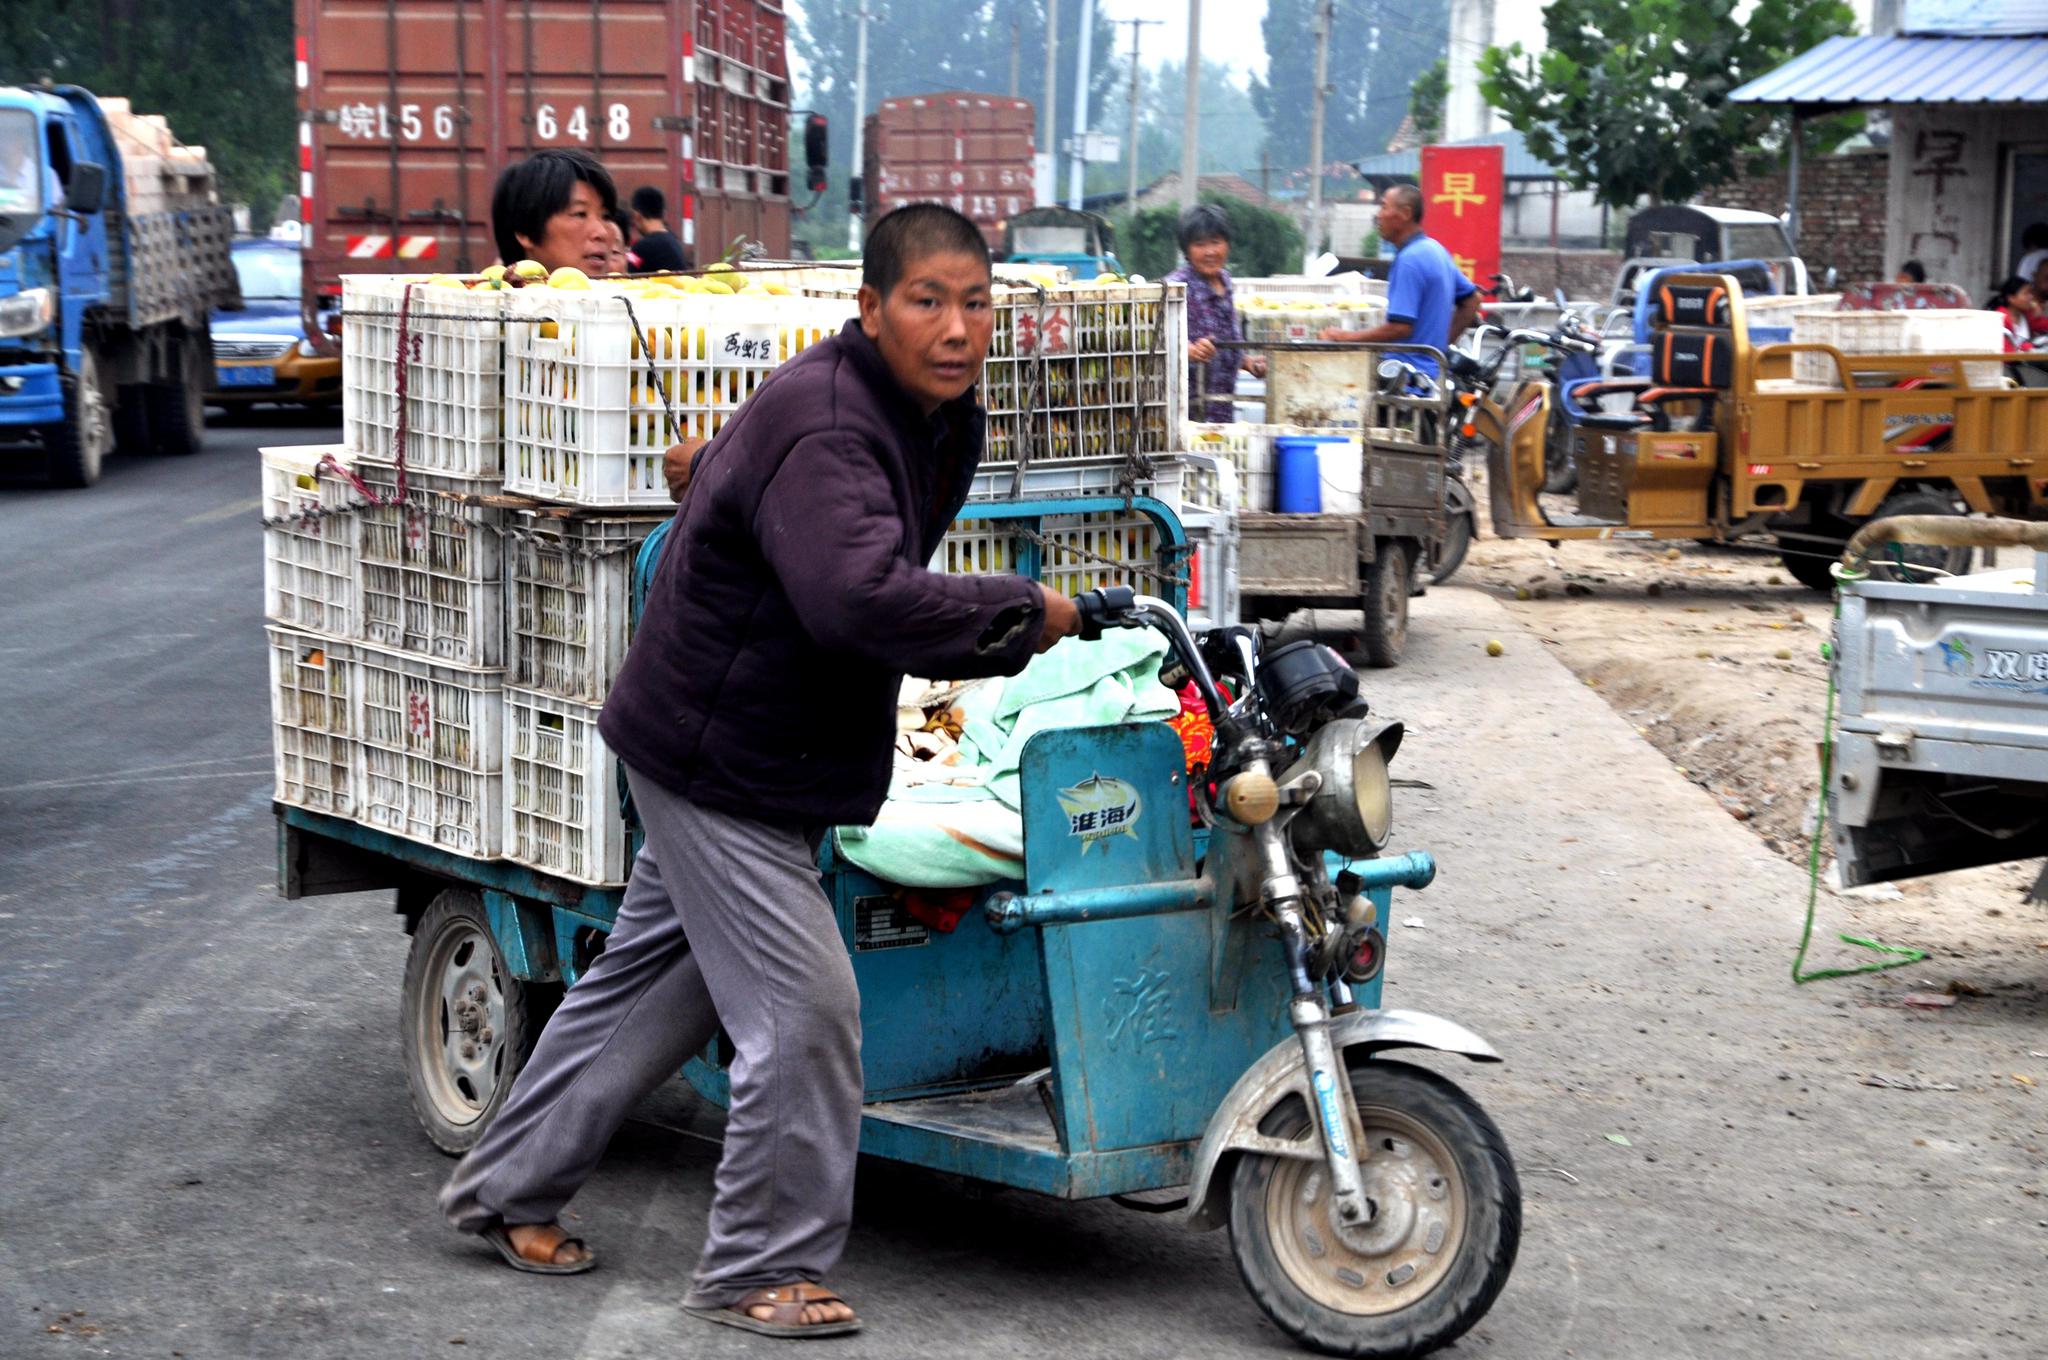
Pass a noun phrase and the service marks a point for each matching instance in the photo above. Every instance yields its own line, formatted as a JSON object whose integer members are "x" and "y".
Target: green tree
{"x": 924, "y": 46}
{"x": 1262, "y": 241}
{"x": 1631, "y": 98}
{"x": 1376, "y": 47}
{"x": 1426, "y": 100}
{"x": 220, "y": 72}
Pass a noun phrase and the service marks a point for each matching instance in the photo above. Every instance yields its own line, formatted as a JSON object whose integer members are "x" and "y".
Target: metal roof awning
{"x": 1517, "y": 162}
{"x": 1929, "y": 69}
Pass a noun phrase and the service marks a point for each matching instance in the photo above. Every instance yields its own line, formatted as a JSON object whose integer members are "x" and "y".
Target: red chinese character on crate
{"x": 419, "y": 716}
{"x": 1051, "y": 333}
{"x": 415, "y": 530}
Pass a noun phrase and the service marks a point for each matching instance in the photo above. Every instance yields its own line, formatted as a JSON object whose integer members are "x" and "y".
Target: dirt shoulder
{"x": 1713, "y": 654}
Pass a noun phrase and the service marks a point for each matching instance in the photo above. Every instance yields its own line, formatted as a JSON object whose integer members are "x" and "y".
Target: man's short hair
{"x": 1204, "y": 222}
{"x": 2035, "y": 237}
{"x": 650, "y": 203}
{"x": 912, "y": 232}
{"x": 1914, "y": 270}
{"x": 1409, "y": 197}
{"x": 531, "y": 191}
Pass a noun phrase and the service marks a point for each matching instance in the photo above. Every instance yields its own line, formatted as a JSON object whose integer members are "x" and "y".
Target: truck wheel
{"x": 1446, "y": 1222}
{"x": 464, "y": 1021}
{"x": 1883, "y": 565}
{"x": 1387, "y": 582}
{"x": 177, "y": 409}
{"x": 77, "y": 447}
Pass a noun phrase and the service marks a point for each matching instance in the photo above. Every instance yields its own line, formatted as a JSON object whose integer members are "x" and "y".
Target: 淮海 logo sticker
{"x": 1098, "y": 808}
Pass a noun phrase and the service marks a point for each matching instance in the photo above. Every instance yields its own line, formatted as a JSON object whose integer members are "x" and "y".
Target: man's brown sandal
{"x": 499, "y": 1236}
{"x": 786, "y": 1304}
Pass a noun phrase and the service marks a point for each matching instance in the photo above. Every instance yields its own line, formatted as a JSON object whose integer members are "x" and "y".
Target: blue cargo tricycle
{"x": 1182, "y": 993}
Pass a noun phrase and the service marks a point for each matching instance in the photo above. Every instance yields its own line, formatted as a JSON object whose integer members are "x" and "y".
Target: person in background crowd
{"x": 551, "y": 208}
{"x": 1428, "y": 301}
{"x": 1912, "y": 271}
{"x": 2019, "y": 306}
{"x": 620, "y": 260}
{"x": 655, "y": 247}
{"x": 2034, "y": 244}
{"x": 1212, "y": 312}
{"x": 799, "y": 553}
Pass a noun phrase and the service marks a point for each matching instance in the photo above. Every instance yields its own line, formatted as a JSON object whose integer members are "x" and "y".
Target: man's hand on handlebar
{"x": 1062, "y": 618}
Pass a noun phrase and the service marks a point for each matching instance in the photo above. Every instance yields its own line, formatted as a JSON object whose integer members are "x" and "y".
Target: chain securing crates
{"x": 454, "y": 380}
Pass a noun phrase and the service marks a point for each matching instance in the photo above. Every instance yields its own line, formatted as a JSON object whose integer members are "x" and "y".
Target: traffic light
{"x": 817, "y": 152}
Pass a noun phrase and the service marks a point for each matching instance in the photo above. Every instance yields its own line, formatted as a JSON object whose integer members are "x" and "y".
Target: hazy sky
{"x": 1230, "y": 30}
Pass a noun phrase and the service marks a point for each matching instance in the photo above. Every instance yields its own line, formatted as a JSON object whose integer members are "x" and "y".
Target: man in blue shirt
{"x": 1428, "y": 301}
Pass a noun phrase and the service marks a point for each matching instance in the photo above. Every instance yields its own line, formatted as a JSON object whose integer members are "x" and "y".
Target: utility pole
{"x": 860, "y": 113}
{"x": 1190, "y": 150}
{"x": 1016, "y": 53}
{"x": 1048, "y": 120}
{"x": 1131, "y": 194}
{"x": 1312, "y": 238}
{"x": 1077, "y": 164}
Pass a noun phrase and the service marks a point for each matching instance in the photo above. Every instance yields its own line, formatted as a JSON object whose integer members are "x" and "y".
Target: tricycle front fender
{"x": 1234, "y": 1128}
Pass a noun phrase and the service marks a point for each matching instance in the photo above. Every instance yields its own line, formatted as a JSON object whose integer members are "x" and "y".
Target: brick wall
{"x": 1842, "y": 205}
{"x": 1581, "y": 273}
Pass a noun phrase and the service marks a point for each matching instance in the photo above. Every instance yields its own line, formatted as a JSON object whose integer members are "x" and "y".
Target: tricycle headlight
{"x": 1352, "y": 812}
{"x": 27, "y": 312}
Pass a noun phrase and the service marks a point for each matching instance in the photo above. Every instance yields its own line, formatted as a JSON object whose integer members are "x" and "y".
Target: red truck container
{"x": 971, "y": 152}
{"x": 408, "y": 110}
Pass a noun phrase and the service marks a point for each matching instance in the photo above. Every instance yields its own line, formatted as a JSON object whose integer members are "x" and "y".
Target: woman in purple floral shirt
{"x": 1212, "y": 313}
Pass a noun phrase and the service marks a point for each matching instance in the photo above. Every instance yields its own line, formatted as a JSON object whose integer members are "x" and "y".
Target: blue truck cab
{"x": 111, "y": 258}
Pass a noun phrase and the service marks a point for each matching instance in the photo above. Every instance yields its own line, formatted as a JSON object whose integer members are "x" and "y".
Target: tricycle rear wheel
{"x": 466, "y": 1024}
{"x": 1447, "y": 1220}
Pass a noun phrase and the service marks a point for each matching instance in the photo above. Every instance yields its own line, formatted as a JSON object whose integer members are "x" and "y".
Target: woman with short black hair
{"x": 552, "y": 208}
{"x": 1212, "y": 313}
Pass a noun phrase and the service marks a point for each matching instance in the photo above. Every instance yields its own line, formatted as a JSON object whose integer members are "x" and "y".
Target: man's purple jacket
{"x": 792, "y": 597}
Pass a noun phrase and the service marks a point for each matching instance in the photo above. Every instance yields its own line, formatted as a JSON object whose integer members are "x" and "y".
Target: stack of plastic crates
{"x": 600, "y": 383}
{"x": 309, "y": 554}
{"x": 569, "y": 584}
{"x": 315, "y": 727}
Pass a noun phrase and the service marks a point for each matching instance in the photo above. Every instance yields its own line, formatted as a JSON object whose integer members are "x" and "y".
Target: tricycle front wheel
{"x": 1446, "y": 1219}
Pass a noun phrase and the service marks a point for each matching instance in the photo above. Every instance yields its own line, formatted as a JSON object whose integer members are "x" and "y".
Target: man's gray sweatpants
{"x": 724, "y": 923}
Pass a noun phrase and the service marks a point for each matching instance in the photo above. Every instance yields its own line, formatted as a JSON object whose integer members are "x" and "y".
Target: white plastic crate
{"x": 569, "y": 584}
{"x": 1094, "y": 477}
{"x": 588, "y": 415}
{"x": 430, "y": 574}
{"x": 454, "y": 400}
{"x": 1215, "y": 597}
{"x": 1130, "y": 543}
{"x": 313, "y": 722}
{"x": 1086, "y": 370}
{"x": 1933, "y": 330}
{"x": 432, "y": 751}
{"x": 309, "y": 563}
{"x": 562, "y": 791}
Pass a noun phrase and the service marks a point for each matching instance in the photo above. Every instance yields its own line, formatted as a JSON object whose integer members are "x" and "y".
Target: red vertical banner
{"x": 1461, "y": 206}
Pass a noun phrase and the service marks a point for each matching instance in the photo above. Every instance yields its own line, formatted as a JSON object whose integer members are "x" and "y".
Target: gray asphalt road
{"x": 208, "y": 1148}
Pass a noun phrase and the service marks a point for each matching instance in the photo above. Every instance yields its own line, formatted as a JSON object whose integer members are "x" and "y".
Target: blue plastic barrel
{"x": 1298, "y": 472}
